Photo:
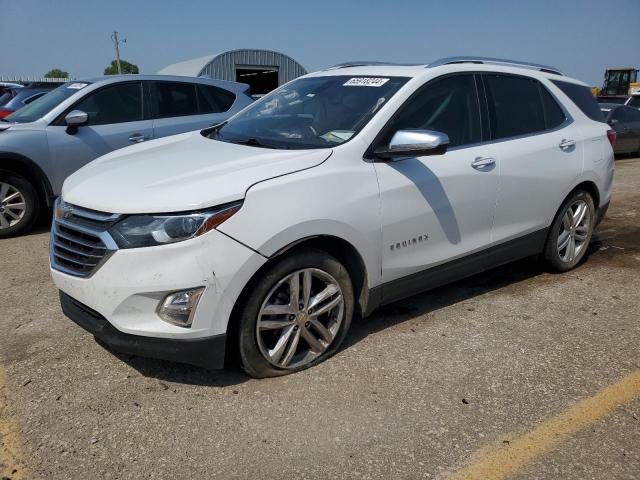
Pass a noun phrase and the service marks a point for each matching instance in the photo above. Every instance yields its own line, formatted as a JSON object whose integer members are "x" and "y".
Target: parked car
{"x": 5, "y": 87}
{"x": 625, "y": 121}
{"x": 341, "y": 191}
{"x": 629, "y": 100}
{"x": 15, "y": 98}
{"x": 49, "y": 139}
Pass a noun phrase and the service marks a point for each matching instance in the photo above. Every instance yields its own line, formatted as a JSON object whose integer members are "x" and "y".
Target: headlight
{"x": 149, "y": 230}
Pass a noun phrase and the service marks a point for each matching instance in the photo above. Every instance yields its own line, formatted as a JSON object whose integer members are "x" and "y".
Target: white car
{"x": 341, "y": 191}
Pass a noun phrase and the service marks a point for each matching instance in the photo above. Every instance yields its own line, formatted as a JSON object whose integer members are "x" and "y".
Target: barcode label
{"x": 365, "y": 82}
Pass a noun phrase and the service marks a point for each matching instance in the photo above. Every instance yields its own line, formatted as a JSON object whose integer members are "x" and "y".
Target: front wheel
{"x": 571, "y": 232}
{"x": 19, "y": 205}
{"x": 296, "y": 315}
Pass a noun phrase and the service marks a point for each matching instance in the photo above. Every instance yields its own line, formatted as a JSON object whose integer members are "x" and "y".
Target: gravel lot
{"x": 422, "y": 389}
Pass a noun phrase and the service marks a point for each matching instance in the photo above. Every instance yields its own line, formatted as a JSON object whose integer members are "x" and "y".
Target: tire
{"x": 558, "y": 253}
{"x": 16, "y": 191}
{"x": 289, "y": 326}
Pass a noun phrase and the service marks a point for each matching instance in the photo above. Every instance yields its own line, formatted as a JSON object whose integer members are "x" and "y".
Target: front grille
{"x": 80, "y": 243}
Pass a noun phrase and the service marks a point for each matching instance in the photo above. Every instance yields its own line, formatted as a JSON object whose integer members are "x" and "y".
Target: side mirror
{"x": 414, "y": 143}
{"x": 75, "y": 119}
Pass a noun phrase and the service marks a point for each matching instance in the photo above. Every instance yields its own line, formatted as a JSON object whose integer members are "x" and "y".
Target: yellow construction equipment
{"x": 619, "y": 81}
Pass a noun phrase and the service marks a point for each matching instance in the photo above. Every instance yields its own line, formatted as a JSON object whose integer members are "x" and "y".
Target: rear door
{"x": 626, "y": 122}
{"x": 540, "y": 152}
{"x": 117, "y": 118}
{"x": 182, "y": 107}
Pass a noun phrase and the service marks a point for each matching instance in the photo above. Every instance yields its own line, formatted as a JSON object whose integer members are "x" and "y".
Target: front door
{"x": 116, "y": 120}
{"x": 437, "y": 208}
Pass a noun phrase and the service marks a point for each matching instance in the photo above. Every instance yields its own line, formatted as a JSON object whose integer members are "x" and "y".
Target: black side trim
{"x": 202, "y": 352}
{"x": 602, "y": 211}
{"x": 530, "y": 244}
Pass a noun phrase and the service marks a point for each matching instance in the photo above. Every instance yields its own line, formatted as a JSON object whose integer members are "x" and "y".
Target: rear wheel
{"x": 19, "y": 205}
{"x": 296, "y": 316}
{"x": 571, "y": 232}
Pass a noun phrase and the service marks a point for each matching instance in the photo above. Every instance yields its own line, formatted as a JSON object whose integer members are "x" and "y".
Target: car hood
{"x": 180, "y": 173}
{"x": 17, "y": 127}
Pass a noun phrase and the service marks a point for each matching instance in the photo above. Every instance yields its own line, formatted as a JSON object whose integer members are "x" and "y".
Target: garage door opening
{"x": 261, "y": 80}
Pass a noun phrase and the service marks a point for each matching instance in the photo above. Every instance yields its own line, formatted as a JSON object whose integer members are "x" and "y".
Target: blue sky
{"x": 574, "y": 35}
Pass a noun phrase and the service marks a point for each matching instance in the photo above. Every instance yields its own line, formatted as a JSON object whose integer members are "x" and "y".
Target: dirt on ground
{"x": 422, "y": 389}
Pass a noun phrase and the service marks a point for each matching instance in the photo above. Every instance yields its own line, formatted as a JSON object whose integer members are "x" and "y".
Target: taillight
{"x": 611, "y": 135}
{"x": 5, "y": 112}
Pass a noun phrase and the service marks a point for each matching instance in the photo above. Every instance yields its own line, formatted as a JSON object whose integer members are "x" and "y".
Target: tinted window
{"x": 583, "y": 99}
{"x": 515, "y": 106}
{"x": 553, "y": 114}
{"x": 214, "y": 100}
{"x": 448, "y": 105}
{"x": 626, "y": 115}
{"x": 117, "y": 104}
{"x": 633, "y": 114}
{"x": 176, "y": 99}
{"x": 634, "y": 102}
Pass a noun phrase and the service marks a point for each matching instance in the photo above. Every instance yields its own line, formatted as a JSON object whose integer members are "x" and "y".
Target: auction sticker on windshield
{"x": 77, "y": 86}
{"x": 365, "y": 82}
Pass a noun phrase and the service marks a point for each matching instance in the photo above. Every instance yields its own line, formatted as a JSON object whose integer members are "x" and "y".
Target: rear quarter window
{"x": 581, "y": 96}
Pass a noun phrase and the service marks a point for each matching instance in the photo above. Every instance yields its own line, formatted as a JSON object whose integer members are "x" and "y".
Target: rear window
{"x": 214, "y": 100}
{"x": 515, "y": 106}
{"x": 581, "y": 96}
{"x": 176, "y": 99}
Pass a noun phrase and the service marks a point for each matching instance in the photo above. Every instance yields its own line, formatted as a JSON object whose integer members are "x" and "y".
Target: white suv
{"x": 341, "y": 191}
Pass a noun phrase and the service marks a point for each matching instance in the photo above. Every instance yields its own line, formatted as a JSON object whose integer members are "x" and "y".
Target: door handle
{"x": 137, "y": 138}
{"x": 567, "y": 144}
{"x": 482, "y": 162}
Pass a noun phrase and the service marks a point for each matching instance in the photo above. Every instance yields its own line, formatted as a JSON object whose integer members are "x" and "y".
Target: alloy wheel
{"x": 12, "y": 205}
{"x": 300, "y": 318}
{"x": 574, "y": 233}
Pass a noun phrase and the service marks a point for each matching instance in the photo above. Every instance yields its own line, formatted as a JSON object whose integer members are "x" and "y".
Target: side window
{"x": 176, "y": 99}
{"x": 448, "y": 105}
{"x": 632, "y": 114}
{"x": 515, "y": 106}
{"x": 581, "y": 96}
{"x": 553, "y": 114}
{"x": 116, "y": 104}
{"x": 214, "y": 100}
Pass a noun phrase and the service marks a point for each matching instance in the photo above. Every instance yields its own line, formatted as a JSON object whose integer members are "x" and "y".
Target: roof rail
{"x": 370, "y": 64}
{"x": 495, "y": 61}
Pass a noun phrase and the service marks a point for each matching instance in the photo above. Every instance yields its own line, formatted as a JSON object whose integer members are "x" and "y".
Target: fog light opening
{"x": 179, "y": 307}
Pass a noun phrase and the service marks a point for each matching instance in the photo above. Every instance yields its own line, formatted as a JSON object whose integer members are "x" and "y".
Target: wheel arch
{"x": 15, "y": 163}
{"x": 338, "y": 247}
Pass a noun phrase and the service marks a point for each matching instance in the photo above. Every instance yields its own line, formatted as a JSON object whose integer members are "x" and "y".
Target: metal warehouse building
{"x": 264, "y": 70}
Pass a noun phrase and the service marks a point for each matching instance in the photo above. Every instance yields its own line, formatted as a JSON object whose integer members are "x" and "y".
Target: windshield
{"x": 43, "y": 105}
{"x": 316, "y": 112}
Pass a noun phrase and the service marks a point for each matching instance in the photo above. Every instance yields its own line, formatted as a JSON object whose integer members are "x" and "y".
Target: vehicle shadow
{"x": 182, "y": 373}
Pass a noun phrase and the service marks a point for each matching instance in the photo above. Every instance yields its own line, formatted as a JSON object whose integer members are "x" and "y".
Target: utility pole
{"x": 116, "y": 42}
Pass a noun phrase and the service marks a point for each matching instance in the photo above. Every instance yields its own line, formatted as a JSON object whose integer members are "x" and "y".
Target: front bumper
{"x": 206, "y": 352}
{"x": 128, "y": 287}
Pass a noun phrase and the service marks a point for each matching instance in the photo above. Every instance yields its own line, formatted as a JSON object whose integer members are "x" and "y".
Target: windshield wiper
{"x": 253, "y": 142}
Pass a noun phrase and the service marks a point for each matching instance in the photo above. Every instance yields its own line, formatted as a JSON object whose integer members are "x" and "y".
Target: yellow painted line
{"x": 10, "y": 444}
{"x": 499, "y": 462}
